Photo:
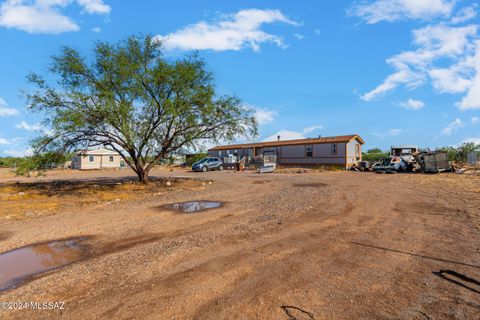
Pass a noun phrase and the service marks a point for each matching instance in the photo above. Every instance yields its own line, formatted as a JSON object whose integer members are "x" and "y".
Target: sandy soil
{"x": 333, "y": 245}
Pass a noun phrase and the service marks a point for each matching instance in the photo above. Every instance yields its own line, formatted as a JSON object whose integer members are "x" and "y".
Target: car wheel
{"x": 220, "y": 167}
{"x": 204, "y": 169}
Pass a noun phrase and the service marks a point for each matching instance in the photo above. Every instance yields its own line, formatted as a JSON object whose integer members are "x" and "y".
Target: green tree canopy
{"x": 131, "y": 99}
{"x": 375, "y": 150}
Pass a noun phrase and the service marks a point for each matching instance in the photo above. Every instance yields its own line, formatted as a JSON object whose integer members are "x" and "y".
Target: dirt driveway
{"x": 335, "y": 245}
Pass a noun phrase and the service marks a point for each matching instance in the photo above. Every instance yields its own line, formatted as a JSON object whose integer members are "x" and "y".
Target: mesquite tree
{"x": 131, "y": 99}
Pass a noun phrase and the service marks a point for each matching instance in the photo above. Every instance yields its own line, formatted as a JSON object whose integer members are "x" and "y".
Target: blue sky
{"x": 393, "y": 71}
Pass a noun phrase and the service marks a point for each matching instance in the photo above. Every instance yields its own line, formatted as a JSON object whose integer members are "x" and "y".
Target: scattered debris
{"x": 411, "y": 159}
{"x": 266, "y": 169}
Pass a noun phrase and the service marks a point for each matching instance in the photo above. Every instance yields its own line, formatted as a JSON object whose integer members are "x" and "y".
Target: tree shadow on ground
{"x": 75, "y": 186}
{"x": 458, "y": 279}
{"x": 296, "y": 313}
{"x": 415, "y": 255}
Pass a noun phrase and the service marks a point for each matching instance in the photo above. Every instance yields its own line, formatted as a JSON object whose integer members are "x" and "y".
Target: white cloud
{"x": 394, "y": 132}
{"x": 451, "y": 80}
{"x": 28, "y": 127}
{"x": 6, "y": 111}
{"x": 232, "y": 32}
{"x": 474, "y": 120}
{"x": 464, "y": 14}
{"x": 475, "y": 140}
{"x": 392, "y": 10}
{"x": 472, "y": 98}
{"x": 299, "y": 36}
{"x": 265, "y": 116}
{"x": 18, "y": 152}
{"x": 412, "y": 104}
{"x": 311, "y": 129}
{"x": 292, "y": 135}
{"x": 285, "y": 135}
{"x": 10, "y": 141}
{"x": 44, "y": 16}
{"x": 390, "y": 133}
{"x": 39, "y": 17}
{"x": 95, "y": 6}
{"x": 97, "y": 29}
{"x": 403, "y": 76}
{"x": 454, "y": 48}
{"x": 453, "y": 126}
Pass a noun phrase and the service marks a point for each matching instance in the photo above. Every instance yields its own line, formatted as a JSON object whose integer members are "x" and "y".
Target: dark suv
{"x": 208, "y": 164}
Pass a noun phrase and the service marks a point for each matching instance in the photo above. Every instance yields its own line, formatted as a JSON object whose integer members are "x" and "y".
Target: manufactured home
{"x": 97, "y": 159}
{"x": 339, "y": 151}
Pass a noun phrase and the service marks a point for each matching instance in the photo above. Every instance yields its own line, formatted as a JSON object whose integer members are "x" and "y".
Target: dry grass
{"x": 25, "y": 200}
{"x": 459, "y": 182}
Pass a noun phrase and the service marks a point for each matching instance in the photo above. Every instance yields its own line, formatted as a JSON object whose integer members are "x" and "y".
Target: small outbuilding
{"x": 97, "y": 159}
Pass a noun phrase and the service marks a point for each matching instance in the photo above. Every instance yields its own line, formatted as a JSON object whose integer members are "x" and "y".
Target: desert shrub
{"x": 9, "y": 162}
{"x": 372, "y": 157}
{"x": 460, "y": 153}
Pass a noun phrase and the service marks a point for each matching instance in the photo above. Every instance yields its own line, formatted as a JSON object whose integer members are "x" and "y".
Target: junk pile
{"x": 411, "y": 159}
{"x": 472, "y": 166}
{"x": 433, "y": 161}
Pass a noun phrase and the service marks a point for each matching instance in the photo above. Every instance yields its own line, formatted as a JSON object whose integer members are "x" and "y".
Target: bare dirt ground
{"x": 332, "y": 245}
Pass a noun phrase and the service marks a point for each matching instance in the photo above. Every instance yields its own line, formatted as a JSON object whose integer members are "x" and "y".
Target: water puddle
{"x": 21, "y": 264}
{"x": 193, "y": 206}
{"x": 310, "y": 185}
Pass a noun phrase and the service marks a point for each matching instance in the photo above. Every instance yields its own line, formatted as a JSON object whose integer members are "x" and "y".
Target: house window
{"x": 334, "y": 148}
{"x": 357, "y": 151}
{"x": 309, "y": 150}
{"x": 91, "y": 159}
{"x": 111, "y": 158}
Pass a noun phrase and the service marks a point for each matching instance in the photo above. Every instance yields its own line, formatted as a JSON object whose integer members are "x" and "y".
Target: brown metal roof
{"x": 347, "y": 138}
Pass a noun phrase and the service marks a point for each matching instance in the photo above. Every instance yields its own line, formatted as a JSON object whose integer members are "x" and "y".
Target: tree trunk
{"x": 142, "y": 176}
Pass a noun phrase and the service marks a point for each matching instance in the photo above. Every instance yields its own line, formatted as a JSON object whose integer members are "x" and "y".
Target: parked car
{"x": 208, "y": 164}
{"x": 390, "y": 165}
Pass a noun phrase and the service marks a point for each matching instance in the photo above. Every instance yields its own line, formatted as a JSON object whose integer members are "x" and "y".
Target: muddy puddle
{"x": 261, "y": 181}
{"x": 21, "y": 264}
{"x": 310, "y": 185}
{"x": 193, "y": 206}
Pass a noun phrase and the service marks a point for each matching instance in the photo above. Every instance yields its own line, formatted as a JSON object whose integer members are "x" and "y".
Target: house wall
{"x": 296, "y": 154}
{"x": 82, "y": 162}
{"x": 353, "y": 158}
{"x": 322, "y": 154}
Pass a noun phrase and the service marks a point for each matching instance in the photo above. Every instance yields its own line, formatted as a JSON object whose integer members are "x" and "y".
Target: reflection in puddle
{"x": 193, "y": 206}
{"x": 19, "y": 264}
